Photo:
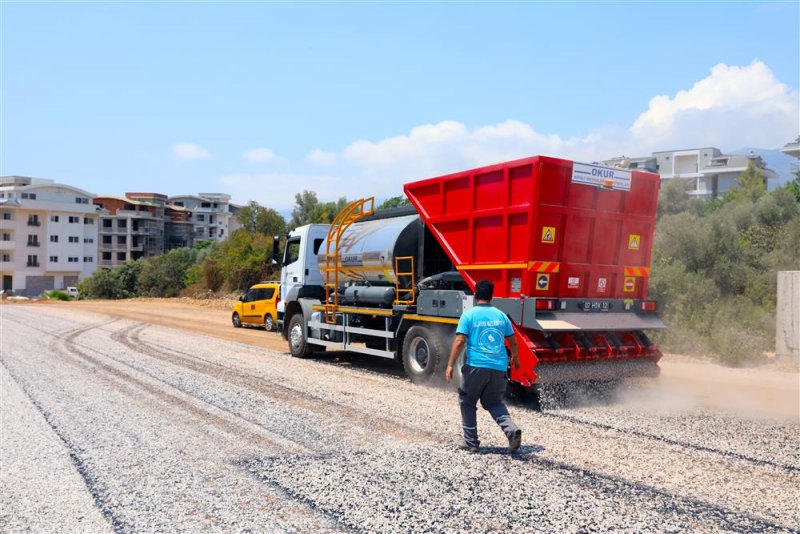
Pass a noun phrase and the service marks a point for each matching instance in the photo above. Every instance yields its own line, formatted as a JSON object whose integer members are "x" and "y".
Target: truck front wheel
{"x": 298, "y": 344}
{"x": 423, "y": 349}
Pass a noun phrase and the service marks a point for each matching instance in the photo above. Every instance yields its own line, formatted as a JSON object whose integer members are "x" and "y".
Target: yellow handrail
{"x": 350, "y": 214}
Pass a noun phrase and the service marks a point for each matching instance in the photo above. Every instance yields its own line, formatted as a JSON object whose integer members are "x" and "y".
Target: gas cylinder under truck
{"x": 566, "y": 244}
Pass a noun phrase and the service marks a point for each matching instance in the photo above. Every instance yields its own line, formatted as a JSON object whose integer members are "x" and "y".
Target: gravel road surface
{"x": 115, "y": 424}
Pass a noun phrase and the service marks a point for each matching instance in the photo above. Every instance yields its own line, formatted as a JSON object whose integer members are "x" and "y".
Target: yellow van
{"x": 258, "y": 307}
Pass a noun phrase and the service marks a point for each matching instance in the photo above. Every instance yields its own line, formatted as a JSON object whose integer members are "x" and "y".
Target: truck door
{"x": 292, "y": 270}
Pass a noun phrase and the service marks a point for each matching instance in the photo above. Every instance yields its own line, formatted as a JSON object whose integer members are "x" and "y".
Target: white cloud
{"x": 732, "y": 107}
{"x": 320, "y": 158}
{"x": 259, "y": 155}
{"x": 189, "y": 151}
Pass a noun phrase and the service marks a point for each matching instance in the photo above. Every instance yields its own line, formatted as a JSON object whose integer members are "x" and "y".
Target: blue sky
{"x": 263, "y": 100}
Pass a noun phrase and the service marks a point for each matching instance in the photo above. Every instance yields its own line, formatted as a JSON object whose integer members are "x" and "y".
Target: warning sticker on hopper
{"x": 543, "y": 282}
{"x": 548, "y": 234}
{"x": 630, "y": 284}
{"x": 633, "y": 241}
{"x": 602, "y": 284}
{"x": 573, "y": 282}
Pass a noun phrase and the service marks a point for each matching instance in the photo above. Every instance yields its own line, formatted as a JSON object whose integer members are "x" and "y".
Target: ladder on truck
{"x": 350, "y": 214}
{"x": 404, "y": 276}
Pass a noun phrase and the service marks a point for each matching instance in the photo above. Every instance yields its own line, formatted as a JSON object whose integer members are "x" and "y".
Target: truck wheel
{"x": 298, "y": 345}
{"x": 423, "y": 349}
{"x": 269, "y": 324}
{"x": 237, "y": 323}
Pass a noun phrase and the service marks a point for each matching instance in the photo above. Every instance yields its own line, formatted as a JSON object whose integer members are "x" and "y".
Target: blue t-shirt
{"x": 486, "y": 328}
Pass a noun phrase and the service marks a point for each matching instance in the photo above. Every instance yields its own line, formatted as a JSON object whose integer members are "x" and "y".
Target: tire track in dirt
{"x": 226, "y": 421}
{"x": 131, "y": 338}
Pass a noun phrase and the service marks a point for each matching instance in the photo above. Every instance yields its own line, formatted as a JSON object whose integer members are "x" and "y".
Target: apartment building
{"x": 131, "y": 227}
{"x": 710, "y": 172}
{"x": 212, "y": 214}
{"x": 792, "y": 148}
{"x": 141, "y": 225}
{"x": 48, "y": 235}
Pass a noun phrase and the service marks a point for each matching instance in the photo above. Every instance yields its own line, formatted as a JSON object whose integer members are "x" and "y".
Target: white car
{"x": 72, "y": 292}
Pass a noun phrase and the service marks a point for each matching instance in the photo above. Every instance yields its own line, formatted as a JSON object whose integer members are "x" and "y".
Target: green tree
{"x": 794, "y": 186}
{"x": 394, "y": 202}
{"x": 165, "y": 275}
{"x": 308, "y": 209}
{"x": 256, "y": 218}
{"x": 103, "y": 284}
{"x": 751, "y": 185}
{"x": 673, "y": 197}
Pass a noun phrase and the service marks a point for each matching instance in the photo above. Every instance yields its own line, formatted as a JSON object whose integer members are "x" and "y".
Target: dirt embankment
{"x": 771, "y": 390}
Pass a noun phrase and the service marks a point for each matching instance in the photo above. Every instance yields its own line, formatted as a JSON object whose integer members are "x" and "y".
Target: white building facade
{"x": 48, "y": 235}
{"x": 213, "y": 215}
{"x": 709, "y": 172}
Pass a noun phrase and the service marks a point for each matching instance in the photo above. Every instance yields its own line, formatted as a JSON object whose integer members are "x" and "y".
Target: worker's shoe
{"x": 464, "y": 446}
{"x": 515, "y": 440}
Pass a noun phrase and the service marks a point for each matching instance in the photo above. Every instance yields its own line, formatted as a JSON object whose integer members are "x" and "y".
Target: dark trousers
{"x": 489, "y": 386}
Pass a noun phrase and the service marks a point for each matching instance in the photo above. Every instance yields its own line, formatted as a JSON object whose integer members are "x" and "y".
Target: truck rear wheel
{"x": 298, "y": 343}
{"x": 424, "y": 354}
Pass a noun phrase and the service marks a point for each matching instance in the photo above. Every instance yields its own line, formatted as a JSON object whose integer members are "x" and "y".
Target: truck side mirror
{"x": 276, "y": 246}
{"x": 241, "y": 298}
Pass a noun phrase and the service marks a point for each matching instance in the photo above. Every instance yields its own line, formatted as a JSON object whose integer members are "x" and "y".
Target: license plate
{"x": 596, "y": 306}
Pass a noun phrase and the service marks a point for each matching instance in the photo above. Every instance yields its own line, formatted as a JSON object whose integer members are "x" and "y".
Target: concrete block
{"x": 787, "y": 331}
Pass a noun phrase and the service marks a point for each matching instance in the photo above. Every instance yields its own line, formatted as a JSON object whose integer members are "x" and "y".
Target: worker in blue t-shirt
{"x": 484, "y": 329}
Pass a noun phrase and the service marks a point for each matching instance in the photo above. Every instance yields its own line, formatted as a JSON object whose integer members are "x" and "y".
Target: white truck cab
{"x": 300, "y": 276}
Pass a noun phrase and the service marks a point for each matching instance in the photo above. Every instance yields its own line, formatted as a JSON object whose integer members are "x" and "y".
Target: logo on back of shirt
{"x": 490, "y": 341}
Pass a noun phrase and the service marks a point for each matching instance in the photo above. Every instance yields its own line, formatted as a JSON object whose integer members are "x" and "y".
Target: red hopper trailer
{"x": 566, "y": 244}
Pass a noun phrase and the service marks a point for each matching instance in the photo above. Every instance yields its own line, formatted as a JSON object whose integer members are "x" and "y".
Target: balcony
{"x": 32, "y": 264}
{"x": 34, "y": 223}
{"x": 33, "y": 243}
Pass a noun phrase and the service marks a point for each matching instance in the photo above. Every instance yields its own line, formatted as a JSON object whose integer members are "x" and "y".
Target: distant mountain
{"x": 783, "y": 165}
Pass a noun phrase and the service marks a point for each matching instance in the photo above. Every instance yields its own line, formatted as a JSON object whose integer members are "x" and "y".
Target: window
{"x": 54, "y": 239}
{"x": 120, "y": 256}
{"x": 317, "y": 244}
{"x": 33, "y": 220}
{"x": 88, "y": 259}
{"x": 5, "y": 257}
{"x": 122, "y": 239}
{"x": 72, "y": 259}
{"x": 88, "y": 220}
{"x": 201, "y": 217}
{"x": 88, "y": 240}
{"x": 30, "y": 196}
{"x": 33, "y": 260}
{"x": 54, "y": 218}
{"x": 106, "y": 239}
{"x": 214, "y": 205}
{"x": 205, "y": 204}
{"x": 210, "y": 232}
{"x": 81, "y": 200}
{"x": 74, "y": 239}
{"x": 292, "y": 251}
{"x": 33, "y": 240}
{"x": 107, "y": 223}
{"x": 6, "y": 215}
{"x": 74, "y": 219}
{"x": 122, "y": 223}
{"x": 6, "y": 237}
{"x": 54, "y": 259}
{"x": 178, "y": 204}
{"x": 106, "y": 256}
